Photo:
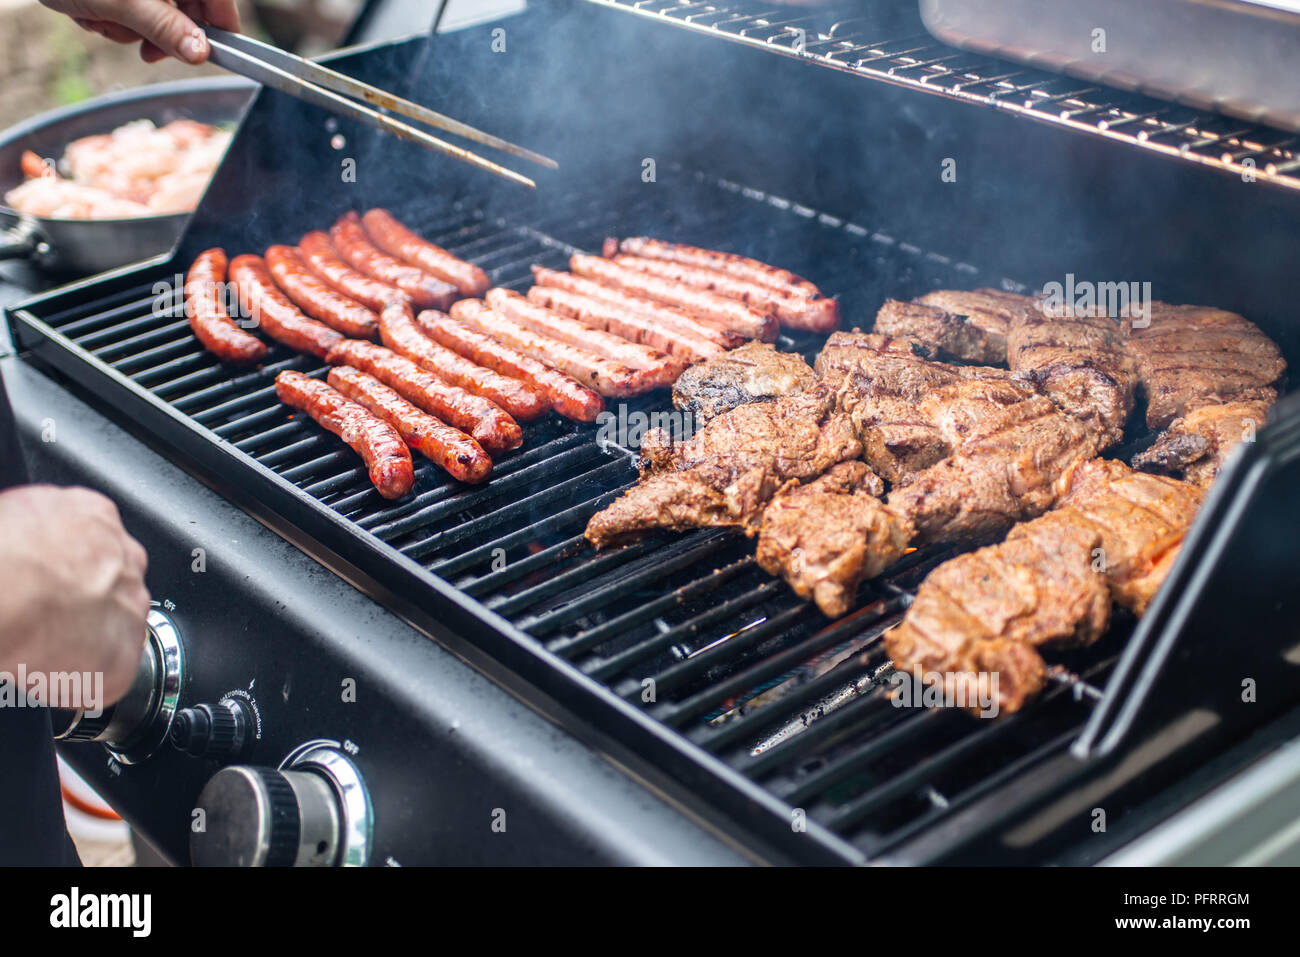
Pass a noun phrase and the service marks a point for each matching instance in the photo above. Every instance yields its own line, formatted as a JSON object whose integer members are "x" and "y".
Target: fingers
{"x": 166, "y": 28}
{"x": 218, "y": 13}
{"x": 107, "y": 29}
{"x": 150, "y": 53}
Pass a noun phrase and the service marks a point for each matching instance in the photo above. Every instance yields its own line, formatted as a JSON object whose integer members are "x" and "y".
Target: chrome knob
{"x": 311, "y": 812}
{"x": 135, "y": 727}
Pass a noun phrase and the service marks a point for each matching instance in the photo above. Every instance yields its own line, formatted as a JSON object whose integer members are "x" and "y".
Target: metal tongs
{"x": 322, "y": 87}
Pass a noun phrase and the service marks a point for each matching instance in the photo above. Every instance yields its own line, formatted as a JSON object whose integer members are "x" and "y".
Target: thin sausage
{"x": 394, "y": 238}
{"x": 657, "y": 369}
{"x": 624, "y": 322}
{"x": 742, "y": 267}
{"x": 318, "y": 298}
{"x": 274, "y": 313}
{"x": 381, "y": 447}
{"x": 400, "y": 333}
{"x": 704, "y": 305}
{"x": 319, "y": 255}
{"x": 796, "y": 312}
{"x": 489, "y": 424}
{"x": 611, "y": 379}
{"x": 206, "y": 311}
{"x": 569, "y": 397}
{"x": 354, "y": 246}
{"x": 617, "y": 299}
{"x": 451, "y": 449}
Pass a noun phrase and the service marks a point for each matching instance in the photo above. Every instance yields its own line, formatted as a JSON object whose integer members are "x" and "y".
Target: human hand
{"x": 163, "y": 27}
{"x": 72, "y": 592}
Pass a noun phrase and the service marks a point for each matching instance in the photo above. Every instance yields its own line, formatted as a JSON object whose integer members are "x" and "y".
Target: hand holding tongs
{"x": 321, "y": 86}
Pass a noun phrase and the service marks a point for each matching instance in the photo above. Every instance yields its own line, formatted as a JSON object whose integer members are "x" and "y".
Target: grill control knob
{"x": 312, "y": 811}
{"x": 135, "y": 727}
{"x": 221, "y": 730}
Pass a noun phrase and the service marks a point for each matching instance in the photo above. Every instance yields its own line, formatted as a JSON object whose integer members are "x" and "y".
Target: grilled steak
{"x": 675, "y": 501}
{"x": 826, "y": 537}
{"x": 1005, "y": 471}
{"x": 1112, "y": 538}
{"x": 756, "y": 372}
{"x": 990, "y": 310}
{"x": 1140, "y": 518}
{"x": 987, "y": 612}
{"x": 1080, "y": 363}
{"x": 897, "y": 399}
{"x": 744, "y": 455}
{"x": 1197, "y": 444}
{"x": 848, "y": 352}
{"x": 1190, "y": 356}
{"x": 941, "y": 331}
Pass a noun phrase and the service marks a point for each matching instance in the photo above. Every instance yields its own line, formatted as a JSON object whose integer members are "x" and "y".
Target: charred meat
{"x": 941, "y": 331}
{"x": 826, "y": 537}
{"x": 1141, "y": 520}
{"x": 990, "y": 310}
{"x": 1190, "y": 356}
{"x": 744, "y": 456}
{"x": 986, "y": 613}
{"x": 1006, "y": 471}
{"x": 897, "y": 398}
{"x": 756, "y": 372}
{"x": 1197, "y": 444}
{"x": 1080, "y": 363}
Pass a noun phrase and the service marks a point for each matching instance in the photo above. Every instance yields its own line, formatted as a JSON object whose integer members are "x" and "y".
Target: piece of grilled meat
{"x": 1005, "y": 471}
{"x": 941, "y": 331}
{"x": 986, "y": 613}
{"x": 1080, "y": 363}
{"x": 744, "y": 456}
{"x": 1140, "y": 518}
{"x": 1197, "y": 444}
{"x": 1111, "y": 539}
{"x": 898, "y": 399}
{"x": 756, "y": 372}
{"x": 1191, "y": 356}
{"x": 992, "y": 311}
{"x": 826, "y": 537}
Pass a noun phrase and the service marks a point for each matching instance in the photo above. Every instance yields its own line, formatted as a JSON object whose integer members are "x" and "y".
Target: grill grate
{"x": 919, "y": 62}
{"x": 685, "y": 628}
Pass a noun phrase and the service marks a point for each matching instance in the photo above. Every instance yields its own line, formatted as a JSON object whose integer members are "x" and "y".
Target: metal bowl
{"x": 88, "y": 246}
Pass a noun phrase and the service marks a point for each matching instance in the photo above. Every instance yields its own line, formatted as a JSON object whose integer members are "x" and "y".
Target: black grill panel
{"x": 684, "y": 627}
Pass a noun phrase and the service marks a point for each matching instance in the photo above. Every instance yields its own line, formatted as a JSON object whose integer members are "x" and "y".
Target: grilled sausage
{"x": 318, "y": 298}
{"x": 395, "y": 239}
{"x": 742, "y": 267}
{"x": 619, "y": 302}
{"x": 569, "y": 397}
{"x": 319, "y": 255}
{"x": 381, "y": 447}
{"x": 354, "y": 246}
{"x": 656, "y": 368}
{"x": 795, "y": 312}
{"x": 621, "y": 322}
{"x": 275, "y": 314}
{"x": 451, "y": 449}
{"x": 706, "y": 306}
{"x": 400, "y": 333}
{"x": 611, "y": 379}
{"x": 484, "y": 420}
{"x": 206, "y": 311}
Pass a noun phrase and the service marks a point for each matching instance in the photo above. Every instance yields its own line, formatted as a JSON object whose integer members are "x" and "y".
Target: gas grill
{"x": 676, "y": 658}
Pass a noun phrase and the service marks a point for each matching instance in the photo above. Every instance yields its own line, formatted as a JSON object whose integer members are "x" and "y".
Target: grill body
{"x": 676, "y": 657}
